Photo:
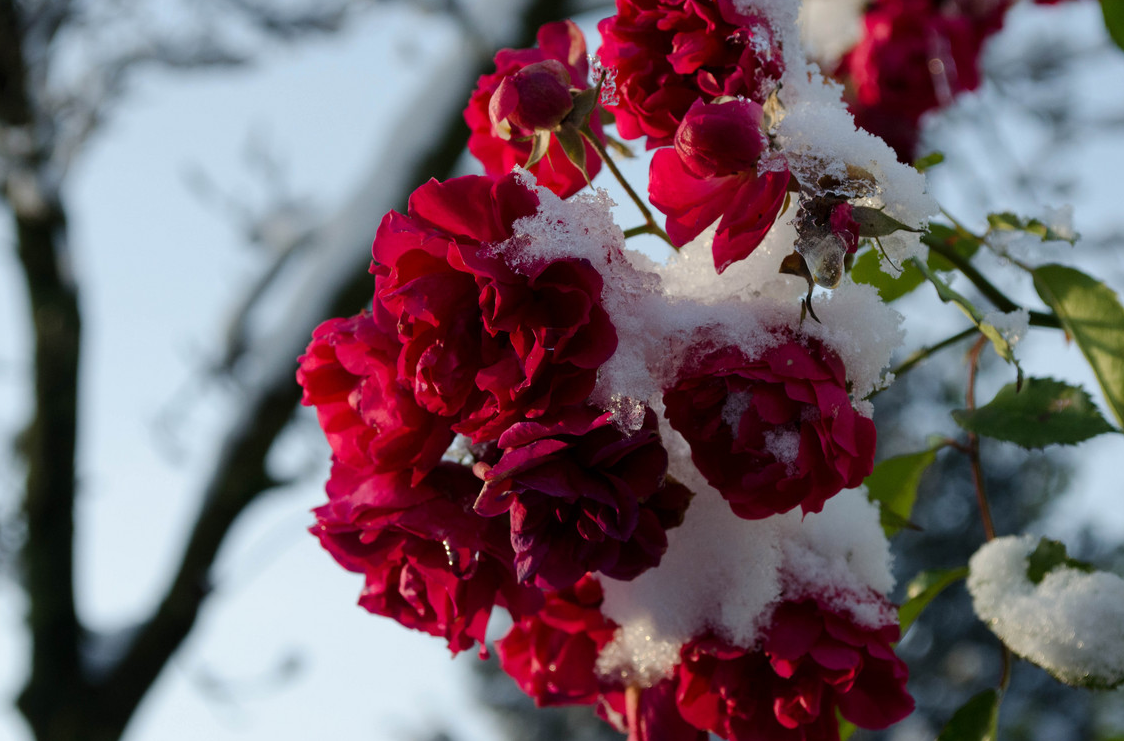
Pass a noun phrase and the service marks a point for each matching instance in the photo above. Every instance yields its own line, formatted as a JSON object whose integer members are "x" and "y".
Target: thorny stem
{"x": 650, "y": 227}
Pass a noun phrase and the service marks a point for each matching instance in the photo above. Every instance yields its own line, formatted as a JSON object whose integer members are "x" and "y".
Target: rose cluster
{"x": 811, "y": 662}
{"x": 529, "y": 416}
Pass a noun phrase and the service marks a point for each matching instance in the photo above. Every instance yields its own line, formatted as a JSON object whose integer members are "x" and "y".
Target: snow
{"x": 818, "y": 136}
{"x": 1069, "y": 624}
{"x": 840, "y": 554}
{"x": 1012, "y": 325}
{"x": 829, "y": 28}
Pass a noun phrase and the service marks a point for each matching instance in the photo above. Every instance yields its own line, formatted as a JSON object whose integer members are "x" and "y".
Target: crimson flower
{"x": 552, "y": 653}
{"x": 773, "y": 431}
{"x": 711, "y": 174}
{"x": 523, "y": 95}
{"x": 670, "y": 53}
{"x": 481, "y": 341}
{"x": 583, "y": 496}
{"x": 914, "y": 56}
{"x": 430, "y": 562}
{"x": 812, "y": 662}
{"x": 371, "y": 419}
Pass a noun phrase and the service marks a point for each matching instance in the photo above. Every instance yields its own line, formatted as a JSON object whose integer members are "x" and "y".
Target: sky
{"x": 281, "y": 650}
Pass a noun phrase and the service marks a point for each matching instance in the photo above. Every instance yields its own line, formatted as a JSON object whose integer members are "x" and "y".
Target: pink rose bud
{"x": 718, "y": 139}
{"x": 535, "y": 98}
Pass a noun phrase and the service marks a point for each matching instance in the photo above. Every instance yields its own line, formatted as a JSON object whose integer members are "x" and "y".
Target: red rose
{"x": 501, "y": 141}
{"x": 536, "y": 97}
{"x": 718, "y": 139}
{"x": 371, "y": 419}
{"x": 583, "y": 497}
{"x": 481, "y": 341}
{"x": 430, "y": 562}
{"x": 552, "y": 654}
{"x": 812, "y": 662}
{"x": 774, "y": 431}
{"x": 669, "y": 54}
{"x": 696, "y": 185}
{"x": 914, "y": 56}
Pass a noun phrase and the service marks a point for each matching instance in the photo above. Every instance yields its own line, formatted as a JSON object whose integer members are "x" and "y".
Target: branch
{"x": 47, "y": 555}
{"x": 49, "y": 442}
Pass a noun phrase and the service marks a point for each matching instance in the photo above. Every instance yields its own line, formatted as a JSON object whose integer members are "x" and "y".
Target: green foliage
{"x": 1113, "y": 11}
{"x": 1045, "y": 412}
{"x": 1008, "y": 221}
{"x": 893, "y": 287}
{"x": 1091, "y": 314}
{"x": 893, "y": 484}
{"x": 874, "y": 222}
{"x": 573, "y": 145}
{"x": 976, "y": 720}
{"x": 921, "y": 164}
{"x": 1050, "y": 555}
{"x": 923, "y": 589}
{"x": 946, "y": 238}
{"x": 948, "y": 295}
{"x": 890, "y": 287}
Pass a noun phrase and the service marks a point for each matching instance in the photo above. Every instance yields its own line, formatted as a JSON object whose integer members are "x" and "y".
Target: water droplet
{"x": 462, "y": 562}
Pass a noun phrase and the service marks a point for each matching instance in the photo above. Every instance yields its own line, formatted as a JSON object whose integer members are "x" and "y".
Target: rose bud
{"x": 536, "y": 98}
{"x": 718, "y": 139}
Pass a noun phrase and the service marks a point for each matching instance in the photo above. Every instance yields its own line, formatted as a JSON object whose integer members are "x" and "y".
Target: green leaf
{"x": 1092, "y": 315}
{"x": 893, "y": 484}
{"x": 1113, "y": 11}
{"x": 1008, "y": 221}
{"x": 874, "y": 222}
{"x": 846, "y": 727}
{"x": 921, "y": 164}
{"x": 1045, "y": 412}
{"x": 890, "y": 287}
{"x": 573, "y": 145}
{"x": 976, "y": 720}
{"x": 923, "y": 589}
{"x": 939, "y": 235}
{"x": 948, "y": 295}
{"x": 540, "y": 142}
{"x": 1050, "y": 555}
